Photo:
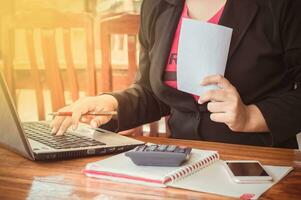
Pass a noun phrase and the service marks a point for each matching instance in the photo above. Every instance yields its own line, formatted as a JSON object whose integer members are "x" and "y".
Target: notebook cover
{"x": 121, "y": 168}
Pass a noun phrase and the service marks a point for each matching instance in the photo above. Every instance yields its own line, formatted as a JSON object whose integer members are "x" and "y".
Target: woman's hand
{"x": 84, "y": 105}
{"x": 227, "y": 107}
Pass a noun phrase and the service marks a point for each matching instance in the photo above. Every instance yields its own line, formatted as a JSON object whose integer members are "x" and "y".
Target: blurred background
{"x": 54, "y": 52}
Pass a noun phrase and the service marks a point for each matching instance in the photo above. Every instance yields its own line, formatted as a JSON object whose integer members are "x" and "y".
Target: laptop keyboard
{"x": 41, "y": 132}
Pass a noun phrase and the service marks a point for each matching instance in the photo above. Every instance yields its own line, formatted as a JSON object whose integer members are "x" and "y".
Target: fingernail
{"x": 59, "y": 133}
{"x": 200, "y": 101}
{"x": 94, "y": 124}
{"x": 74, "y": 127}
{"x": 53, "y": 130}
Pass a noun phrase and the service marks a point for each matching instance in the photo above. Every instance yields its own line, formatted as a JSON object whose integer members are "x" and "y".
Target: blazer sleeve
{"x": 282, "y": 112}
{"x": 138, "y": 104}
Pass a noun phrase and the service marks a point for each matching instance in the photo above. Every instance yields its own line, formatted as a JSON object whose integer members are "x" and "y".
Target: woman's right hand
{"x": 84, "y": 105}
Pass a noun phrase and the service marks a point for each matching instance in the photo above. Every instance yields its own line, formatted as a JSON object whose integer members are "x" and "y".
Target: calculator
{"x": 159, "y": 155}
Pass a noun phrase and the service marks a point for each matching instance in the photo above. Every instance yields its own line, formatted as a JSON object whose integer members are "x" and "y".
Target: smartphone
{"x": 242, "y": 171}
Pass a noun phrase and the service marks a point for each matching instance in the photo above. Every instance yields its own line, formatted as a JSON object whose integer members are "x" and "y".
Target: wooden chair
{"x": 48, "y": 22}
{"x": 126, "y": 24}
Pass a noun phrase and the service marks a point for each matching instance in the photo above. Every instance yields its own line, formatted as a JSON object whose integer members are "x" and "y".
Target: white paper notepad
{"x": 203, "y": 51}
{"x": 203, "y": 172}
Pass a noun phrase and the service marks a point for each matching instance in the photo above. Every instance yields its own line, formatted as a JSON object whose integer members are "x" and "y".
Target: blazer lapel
{"x": 238, "y": 15}
{"x": 166, "y": 26}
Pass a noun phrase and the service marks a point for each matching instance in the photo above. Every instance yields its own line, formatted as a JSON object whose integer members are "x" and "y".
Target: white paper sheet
{"x": 203, "y": 51}
{"x": 216, "y": 180}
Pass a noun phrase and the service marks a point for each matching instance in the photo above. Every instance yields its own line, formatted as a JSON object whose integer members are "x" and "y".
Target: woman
{"x": 259, "y": 102}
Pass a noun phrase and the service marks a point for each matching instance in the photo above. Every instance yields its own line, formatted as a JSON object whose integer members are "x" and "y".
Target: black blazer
{"x": 264, "y": 65}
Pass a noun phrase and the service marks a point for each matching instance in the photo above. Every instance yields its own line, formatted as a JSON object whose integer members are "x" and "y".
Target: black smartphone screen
{"x": 246, "y": 169}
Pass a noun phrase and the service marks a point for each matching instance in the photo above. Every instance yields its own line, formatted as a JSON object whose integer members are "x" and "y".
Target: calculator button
{"x": 151, "y": 148}
{"x": 171, "y": 148}
{"x": 161, "y": 147}
{"x": 140, "y": 148}
{"x": 180, "y": 150}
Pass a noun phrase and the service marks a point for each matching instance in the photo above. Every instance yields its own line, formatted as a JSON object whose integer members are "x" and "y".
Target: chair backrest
{"x": 48, "y": 22}
{"x": 123, "y": 24}
{"x": 127, "y": 25}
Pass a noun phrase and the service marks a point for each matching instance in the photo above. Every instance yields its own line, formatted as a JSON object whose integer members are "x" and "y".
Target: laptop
{"x": 34, "y": 140}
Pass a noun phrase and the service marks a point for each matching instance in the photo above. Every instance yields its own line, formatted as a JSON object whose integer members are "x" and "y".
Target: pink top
{"x": 170, "y": 77}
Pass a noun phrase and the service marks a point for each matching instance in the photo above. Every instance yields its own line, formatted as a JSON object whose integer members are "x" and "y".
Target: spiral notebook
{"x": 204, "y": 172}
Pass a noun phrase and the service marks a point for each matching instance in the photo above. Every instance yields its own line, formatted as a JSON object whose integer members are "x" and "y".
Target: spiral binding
{"x": 190, "y": 169}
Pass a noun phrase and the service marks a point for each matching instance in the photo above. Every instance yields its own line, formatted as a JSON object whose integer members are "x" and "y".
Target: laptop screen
{"x": 11, "y": 134}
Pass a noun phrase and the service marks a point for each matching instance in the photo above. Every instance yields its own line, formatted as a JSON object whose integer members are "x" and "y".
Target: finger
{"x": 219, "y": 117}
{"x": 65, "y": 125}
{"x": 220, "y": 80}
{"x": 217, "y": 107}
{"x": 56, "y": 124}
{"x": 126, "y": 133}
{"x": 58, "y": 120}
{"x": 213, "y": 95}
{"x": 86, "y": 119}
{"x": 76, "y": 115}
{"x": 98, "y": 121}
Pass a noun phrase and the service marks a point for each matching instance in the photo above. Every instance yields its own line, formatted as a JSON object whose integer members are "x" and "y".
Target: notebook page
{"x": 216, "y": 180}
{"x": 121, "y": 168}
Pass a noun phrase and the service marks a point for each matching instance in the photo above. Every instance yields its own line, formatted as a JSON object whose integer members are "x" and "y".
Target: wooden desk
{"x": 24, "y": 179}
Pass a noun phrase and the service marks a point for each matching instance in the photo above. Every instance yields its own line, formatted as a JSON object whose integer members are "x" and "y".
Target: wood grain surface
{"x": 24, "y": 179}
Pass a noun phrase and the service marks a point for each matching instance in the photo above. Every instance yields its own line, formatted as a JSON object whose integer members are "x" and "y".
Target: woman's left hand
{"x": 225, "y": 104}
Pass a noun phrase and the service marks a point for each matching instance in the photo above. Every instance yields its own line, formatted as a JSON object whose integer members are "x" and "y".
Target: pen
{"x": 99, "y": 113}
